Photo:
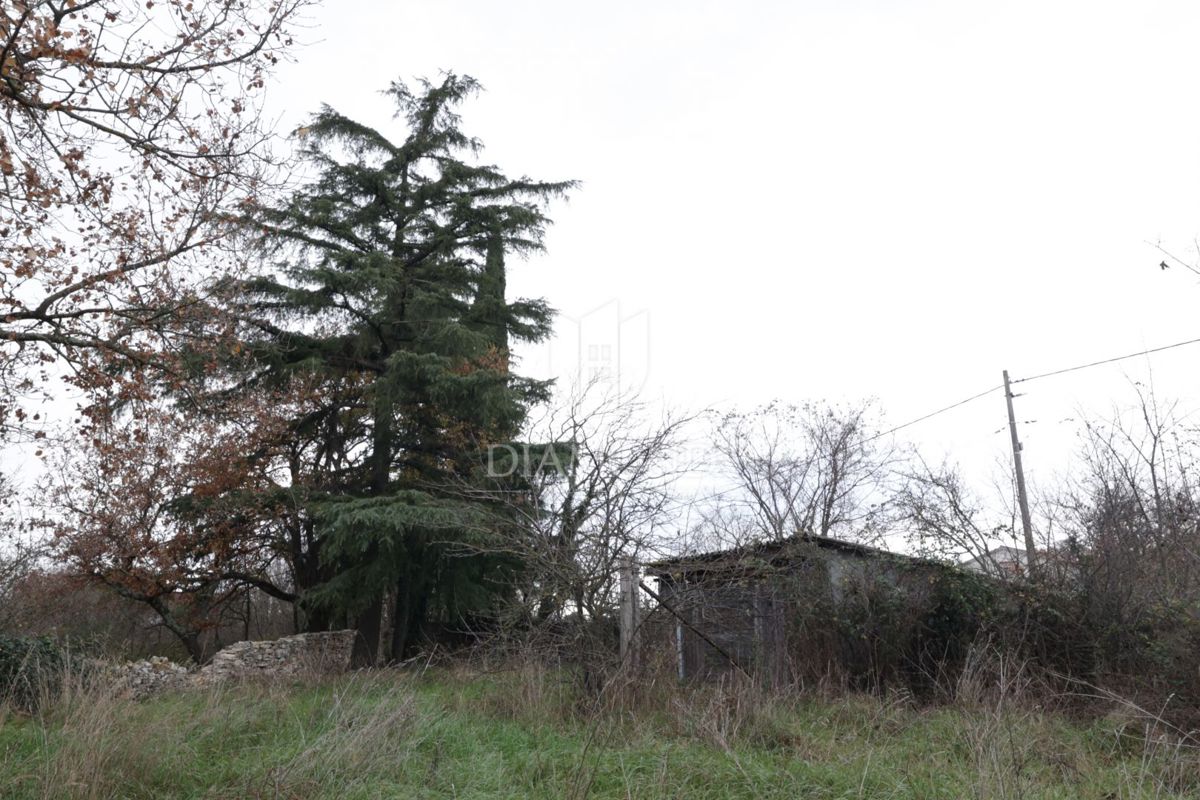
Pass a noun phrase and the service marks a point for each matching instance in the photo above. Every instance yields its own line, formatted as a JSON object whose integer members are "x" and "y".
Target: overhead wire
{"x": 970, "y": 399}
{"x": 1102, "y": 361}
{"x": 933, "y": 414}
{"x": 1051, "y": 373}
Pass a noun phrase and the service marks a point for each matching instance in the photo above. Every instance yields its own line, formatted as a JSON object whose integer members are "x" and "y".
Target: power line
{"x": 933, "y": 414}
{"x": 1106, "y": 361}
{"x": 963, "y": 402}
{"x": 1031, "y": 378}
{"x": 930, "y": 415}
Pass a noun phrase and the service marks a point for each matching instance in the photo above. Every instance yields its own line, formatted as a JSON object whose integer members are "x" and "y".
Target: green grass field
{"x": 452, "y": 734}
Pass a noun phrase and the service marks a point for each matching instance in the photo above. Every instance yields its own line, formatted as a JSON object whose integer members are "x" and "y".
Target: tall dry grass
{"x": 324, "y": 737}
{"x": 97, "y": 742}
{"x": 1010, "y": 729}
{"x": 1009, "y": 722}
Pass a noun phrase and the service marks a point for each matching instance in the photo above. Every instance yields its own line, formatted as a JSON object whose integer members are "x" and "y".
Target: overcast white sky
{"x": 803, "y": 200}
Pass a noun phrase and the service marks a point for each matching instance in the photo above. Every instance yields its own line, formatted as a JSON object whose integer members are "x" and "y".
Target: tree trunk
{"x": 366, "y": 643}
{"x": 400, "y": 621}
{"x": 315, "y": 619}
{"x": 411, "y": 605}
{"x": 188, "y": 636}
{"x": 308, "y": 573}
{"x": 249, "y": 610}
{"x": 195, "y": 649}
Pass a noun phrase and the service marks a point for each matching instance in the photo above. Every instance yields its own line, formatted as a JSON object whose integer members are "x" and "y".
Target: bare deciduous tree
{"x": 184, "y": 513}
{"x": 128, "y": 131}
{"x": 598, "y": 487}
{"x": 944, "y": 518}
{"x": 812, "y": 469}
{"x": 611, "y": 498}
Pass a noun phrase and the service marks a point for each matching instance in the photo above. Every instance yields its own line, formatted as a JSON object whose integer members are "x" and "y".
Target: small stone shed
{"x": 736, "y": 609}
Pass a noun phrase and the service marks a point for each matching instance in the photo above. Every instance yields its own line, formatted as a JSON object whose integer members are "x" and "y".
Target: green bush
{"x": 29, "y": 666}
{"x": 957, "y": 608}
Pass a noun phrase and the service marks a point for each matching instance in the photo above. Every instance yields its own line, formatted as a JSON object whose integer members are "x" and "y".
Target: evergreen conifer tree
{"x": 388, "y": 283}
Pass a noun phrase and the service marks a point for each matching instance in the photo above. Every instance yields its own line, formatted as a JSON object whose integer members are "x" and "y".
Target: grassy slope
{"x": 454, "y": 736}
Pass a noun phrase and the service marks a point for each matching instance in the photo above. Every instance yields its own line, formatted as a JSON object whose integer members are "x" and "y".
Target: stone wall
{"x": 322, "y": 653}
{"x": 304, "y": 653}
{"x": 144, "y": 678}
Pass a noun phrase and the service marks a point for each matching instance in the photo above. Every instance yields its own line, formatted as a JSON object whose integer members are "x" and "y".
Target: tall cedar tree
{"x": 390, "y": 280}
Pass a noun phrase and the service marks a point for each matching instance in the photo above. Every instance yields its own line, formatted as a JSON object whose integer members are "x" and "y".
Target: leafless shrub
{"x": 1131, "y": 561}
{"x": 992, "y": 678}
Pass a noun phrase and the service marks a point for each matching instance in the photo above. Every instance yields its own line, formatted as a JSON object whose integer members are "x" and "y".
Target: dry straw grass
{"x": 314, "y": 736}
{"x": 98, "y": 742}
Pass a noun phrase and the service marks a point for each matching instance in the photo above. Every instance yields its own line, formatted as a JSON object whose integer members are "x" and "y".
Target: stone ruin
{"x": 156, "y": 674}
{"x": 322, "y": 653}
{"x": 305, "y": 653}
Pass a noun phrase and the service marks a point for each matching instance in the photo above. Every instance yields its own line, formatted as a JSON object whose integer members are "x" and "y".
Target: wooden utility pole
{"x": 629, "y": 610}
{"x": 1022, "y": 497}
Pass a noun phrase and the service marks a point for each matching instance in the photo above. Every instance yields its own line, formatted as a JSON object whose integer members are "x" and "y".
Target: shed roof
{"x": 772, "y": 552}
